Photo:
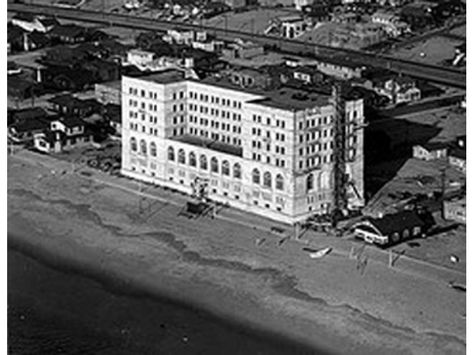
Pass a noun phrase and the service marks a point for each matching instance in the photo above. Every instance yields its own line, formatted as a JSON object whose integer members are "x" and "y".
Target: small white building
{"x": 63, "y": 134}
{"x": 430, "y": 151}
{"x": 293, "y": 26}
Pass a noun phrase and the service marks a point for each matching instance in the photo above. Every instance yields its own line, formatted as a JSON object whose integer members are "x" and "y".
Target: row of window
{"x": 259, "y": 144}
{"x": 278, "y": 162}
{"x": 215, "y": 100}
{"x": 258, "y": 119}
{"x": 135, "y": 127}
{"x": 215, "y": 112}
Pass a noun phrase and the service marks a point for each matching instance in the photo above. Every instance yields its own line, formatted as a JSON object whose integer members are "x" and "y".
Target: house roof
{"x": 48, "y": 21}
{"x": 397, "y": 222}
{"x": 165, "y": 77}
{"x": 71, "y": 121}
{"x": 431, "y": 146}
{"x": 69, "y": 30}
{"x": 30, "y": 125}
{"x": 342, "y": 61}
{"x": 38, "y": 38}
{"x": 24, "y": 16}
{"x": 14, "y": 33}
{"x": 29, "y": 113}
{"x": 458, "y": 152}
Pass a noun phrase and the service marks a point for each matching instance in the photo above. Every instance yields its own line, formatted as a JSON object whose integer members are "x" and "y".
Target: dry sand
{"x": 216, "y": 265}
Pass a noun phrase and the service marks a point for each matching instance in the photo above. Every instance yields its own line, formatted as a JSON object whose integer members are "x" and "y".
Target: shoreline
{"x": 113, "y": 282}
{"x": 263, "y": 288}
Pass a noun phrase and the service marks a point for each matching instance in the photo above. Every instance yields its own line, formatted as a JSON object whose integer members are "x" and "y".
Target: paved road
{"x": 447, "y": 76}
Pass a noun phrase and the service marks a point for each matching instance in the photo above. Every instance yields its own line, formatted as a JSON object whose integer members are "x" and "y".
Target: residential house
{"x": 301, "y": 4}
{"x": 392, "y": 3}
{"x": 19, "y": 89}
{"x": 317, "y": 12}
{"x": 214, "y": 8}
{"x": 242, "y": 49}
{"x": 23, "y": 131}
{"x": 35, "y": 40}
{"x": 70, "y": 34}
{"x": 179, "y": 36}
{"x": 417, "y": 16}
{"x": 398, "y": 89}
{"x": 32, "y": 113}
{"x": 308, "y": 74}
{"x": 457, "y": 154}
{"x": 103, "y": 70}
{"x": 62, "y": 135}
{"x": 430, "y": 151}
{"x": 391, "y": 22}
{"x": 67, "y": 79}
{"x": 13, "y": 68}
{"x": 459, "y": 54}
{"x": 113, "y": 115}
{"x": 455, "y": 209}
{"x": 71, "y": 106}
{"x": 109, "y": 92}
{"x": 30, "y": 22}
{"x": 249, "y": 77}
{"x": 15, "y": 38}
{"x": 391, "y": 228}
{"x": 293, "y": 26}
{"x": 341, "y": 68}
{"x": 236, "y": 4}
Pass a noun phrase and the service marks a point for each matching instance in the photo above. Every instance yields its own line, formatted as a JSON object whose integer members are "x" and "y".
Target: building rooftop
{"x": 282, "y": 98}
{"x": 165, "y": 77}
{"x": 397, "y": 222}
{"x": 210, "y": 144}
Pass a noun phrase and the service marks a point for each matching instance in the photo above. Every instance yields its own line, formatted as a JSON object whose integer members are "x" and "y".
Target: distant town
{"x": 342, "y": 118}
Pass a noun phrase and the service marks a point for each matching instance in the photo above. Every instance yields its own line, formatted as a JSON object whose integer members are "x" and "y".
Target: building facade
{"x": 269, "y": 152}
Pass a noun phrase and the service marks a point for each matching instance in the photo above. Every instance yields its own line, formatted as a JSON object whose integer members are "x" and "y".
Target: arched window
{"x": 143, "y": 147}
{"x": 309, "y": 182}
{"x": 181, "y": 156}
{"x": 267, "y": 179}
{"x": 203, "y": 162}
{"x": 171, "y": 153}
{"x": 279, "y": 182}
{"x": 133, "y": 144}
{"x": 214, "y": 165}
{"x": 325, "y": 180}
{"x": 225, "y": 168}
{"x": 192, "y": 159}
{"x": 237, "y": 171}
{"x": 153, "y": 149}
{"x": 256, "y": 176}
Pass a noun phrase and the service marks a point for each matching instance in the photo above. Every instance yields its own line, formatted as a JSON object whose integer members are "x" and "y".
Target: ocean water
{"x": 55, "y": 310}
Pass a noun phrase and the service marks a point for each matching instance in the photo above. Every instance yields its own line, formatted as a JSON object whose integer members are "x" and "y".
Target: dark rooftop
{"x": 397, "y": 222}
{"x": 210, "y": 144}
{"x": 165, "y": 77}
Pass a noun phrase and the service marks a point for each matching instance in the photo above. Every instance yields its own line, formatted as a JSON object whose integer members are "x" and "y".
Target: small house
{"x": 430, "y": 151}
{"x": 398, "y": 89}
{"x": 391, "y": 228}
{"x": 457, "y": 154}
{"x": 69, "y": 34}
{"x": 455, "y": 209}
{"x": 63, "y": 134}
{"x": 24, "y": 131}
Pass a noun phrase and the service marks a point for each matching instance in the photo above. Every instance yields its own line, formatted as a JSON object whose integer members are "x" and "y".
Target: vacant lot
{"x": 435, "y": 50}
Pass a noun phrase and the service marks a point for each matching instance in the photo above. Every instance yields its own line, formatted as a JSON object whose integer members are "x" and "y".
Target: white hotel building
{"x": 269, "y": 153}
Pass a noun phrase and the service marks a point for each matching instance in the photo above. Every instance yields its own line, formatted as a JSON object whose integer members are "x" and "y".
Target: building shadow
{"x": 388, "y": 144}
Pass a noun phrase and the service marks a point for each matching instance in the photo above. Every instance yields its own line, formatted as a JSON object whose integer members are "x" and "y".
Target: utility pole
{"x": 443, "y": 189}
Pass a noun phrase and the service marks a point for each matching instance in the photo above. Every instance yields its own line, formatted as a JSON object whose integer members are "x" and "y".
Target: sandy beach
{"x": 88, "y": 223}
